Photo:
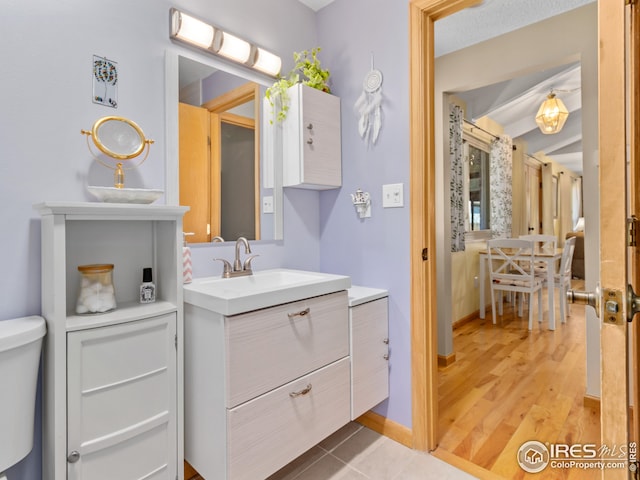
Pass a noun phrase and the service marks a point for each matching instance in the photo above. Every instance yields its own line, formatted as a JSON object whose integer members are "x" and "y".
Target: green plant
{"x": 307, "y": 70}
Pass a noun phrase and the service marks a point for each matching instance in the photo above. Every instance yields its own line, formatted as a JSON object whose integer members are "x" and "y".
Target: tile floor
{"x": 358, "y": 453}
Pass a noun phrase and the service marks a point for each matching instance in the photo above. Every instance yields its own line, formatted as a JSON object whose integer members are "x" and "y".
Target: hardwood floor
{"x": 508, "y": 386}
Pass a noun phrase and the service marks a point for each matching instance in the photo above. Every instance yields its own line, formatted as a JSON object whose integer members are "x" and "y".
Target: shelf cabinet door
{"x": 369, "y": 355}
{"x": 312, "y": 145}
{"x": 121, "y": 401}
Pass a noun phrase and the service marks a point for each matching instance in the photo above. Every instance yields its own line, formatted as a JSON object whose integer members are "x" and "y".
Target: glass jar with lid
{"x": 97, "y": 293}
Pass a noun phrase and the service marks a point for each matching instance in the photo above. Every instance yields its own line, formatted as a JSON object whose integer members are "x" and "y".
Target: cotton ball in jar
{"x": 97, "y": 293}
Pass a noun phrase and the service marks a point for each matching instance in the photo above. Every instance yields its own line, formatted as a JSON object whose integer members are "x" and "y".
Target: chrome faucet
{"x": 247, "y": 249}
{"x": 238, "y": 269}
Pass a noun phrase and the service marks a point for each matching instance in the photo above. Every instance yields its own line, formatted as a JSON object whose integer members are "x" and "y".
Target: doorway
{"x": 424, "y": 176}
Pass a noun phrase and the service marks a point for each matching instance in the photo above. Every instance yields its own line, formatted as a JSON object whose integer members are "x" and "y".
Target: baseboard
{"x": 465, "y": 465}
{"x": 386, "y": 427}
{"x": 466, "y": 319}
{"x": 591, "y": 402}
{"x": 446, "y": 360}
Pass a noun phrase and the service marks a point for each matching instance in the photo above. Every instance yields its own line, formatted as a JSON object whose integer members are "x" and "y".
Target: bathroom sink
{"x": 230, "y": 296}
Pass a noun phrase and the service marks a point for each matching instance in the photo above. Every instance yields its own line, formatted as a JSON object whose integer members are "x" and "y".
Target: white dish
{"x": 125, "y": 195}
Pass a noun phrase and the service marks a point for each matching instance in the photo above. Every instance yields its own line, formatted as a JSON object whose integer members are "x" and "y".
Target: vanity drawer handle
{"x": 301, "y": 313}
{"x": 304, "y": 391}
{"x": 386, "y": 356}
{"x": 310, "y": 141}
{"x": 385, "y": 341}
{"x": 310, "y": 126}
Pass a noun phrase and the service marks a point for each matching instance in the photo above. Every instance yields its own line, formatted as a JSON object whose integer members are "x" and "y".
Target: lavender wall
{"x": 373, "y": 251}
{"x": 46, "y": 100}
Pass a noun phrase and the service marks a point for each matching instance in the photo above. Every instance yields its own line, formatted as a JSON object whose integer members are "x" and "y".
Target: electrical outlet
{"x": 392, "y": 195}
{"x": 267, "y": 204}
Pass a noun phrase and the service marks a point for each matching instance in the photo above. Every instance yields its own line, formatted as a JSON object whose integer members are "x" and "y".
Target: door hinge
{"x": 630, "y": 2}
{"x": 425, "y": 254}
{"x": 208, "y": 141}
{"x": 175, "y": 340}
{"x": 632, "y": 231}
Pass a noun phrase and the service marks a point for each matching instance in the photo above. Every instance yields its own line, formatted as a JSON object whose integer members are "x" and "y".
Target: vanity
{"x": 268, "y": 369}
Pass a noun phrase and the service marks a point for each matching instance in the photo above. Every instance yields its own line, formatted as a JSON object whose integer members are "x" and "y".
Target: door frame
{"x": 423, "y": 14}
{"x": 424, "y": 366}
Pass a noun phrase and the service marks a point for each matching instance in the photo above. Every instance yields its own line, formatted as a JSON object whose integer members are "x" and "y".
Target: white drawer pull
{"x": 301, "y": 313}
{"x": 301, "y": 392}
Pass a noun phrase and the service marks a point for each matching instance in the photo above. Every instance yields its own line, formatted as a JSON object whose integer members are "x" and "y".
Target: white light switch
{"x": 392, "y": 195}
{"x": 267, "y": 204}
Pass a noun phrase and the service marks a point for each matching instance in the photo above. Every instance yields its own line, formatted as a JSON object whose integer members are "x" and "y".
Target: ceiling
{"x": 515, "y": 102}
{"x": 316, "y": 4}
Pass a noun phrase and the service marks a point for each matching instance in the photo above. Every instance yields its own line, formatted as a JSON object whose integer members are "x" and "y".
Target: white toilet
{"x": 20, "y": 346}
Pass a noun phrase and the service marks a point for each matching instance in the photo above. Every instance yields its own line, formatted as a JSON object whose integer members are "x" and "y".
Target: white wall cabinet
{"x": 112, "y": 383}
{"x": 369, "y": 325}
{"x": 312, "y": 140}
{"x": 263, "y": 387}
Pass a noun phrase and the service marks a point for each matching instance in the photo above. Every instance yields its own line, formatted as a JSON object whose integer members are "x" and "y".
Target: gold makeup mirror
{"x": 120, "y": 139}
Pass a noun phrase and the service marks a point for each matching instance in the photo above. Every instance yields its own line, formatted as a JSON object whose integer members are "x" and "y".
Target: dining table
{"x": 550, "y": 258}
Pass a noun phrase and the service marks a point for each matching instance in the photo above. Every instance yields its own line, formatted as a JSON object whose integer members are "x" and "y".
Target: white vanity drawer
{"x": 268, "y": 348}
{"x": 267, "y": 432}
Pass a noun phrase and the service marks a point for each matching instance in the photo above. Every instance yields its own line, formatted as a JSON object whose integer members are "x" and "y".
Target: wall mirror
{"x": 221, "y": 150}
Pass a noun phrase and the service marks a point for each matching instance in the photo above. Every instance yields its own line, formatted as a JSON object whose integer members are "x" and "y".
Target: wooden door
{"x": 193, "y": 134}
{"x": 618, "y": 127}
{"x": 612, "y": 127}
{"x": 634, "y": 182}
{"x": 533, "y": 182}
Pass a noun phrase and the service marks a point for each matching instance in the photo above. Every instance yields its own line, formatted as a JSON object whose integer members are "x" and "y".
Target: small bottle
{"x": 147, "y": 289}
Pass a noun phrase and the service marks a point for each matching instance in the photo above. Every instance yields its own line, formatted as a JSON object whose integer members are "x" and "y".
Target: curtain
{"x": 456, "y": 182}
{"x": 500, "y": 171}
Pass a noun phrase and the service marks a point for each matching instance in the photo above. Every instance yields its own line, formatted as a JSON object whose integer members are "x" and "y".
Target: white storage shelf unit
{"x": 130, "y": 237}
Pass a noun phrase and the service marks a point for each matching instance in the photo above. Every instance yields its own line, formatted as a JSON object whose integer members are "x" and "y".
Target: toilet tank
{"x": 20, "y": 347}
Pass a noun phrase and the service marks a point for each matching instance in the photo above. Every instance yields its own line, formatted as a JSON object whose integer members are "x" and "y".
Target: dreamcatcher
{"x": 368, "y": 105}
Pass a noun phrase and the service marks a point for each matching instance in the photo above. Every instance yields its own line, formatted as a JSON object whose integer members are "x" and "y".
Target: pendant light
{"x": 551, "y": 115}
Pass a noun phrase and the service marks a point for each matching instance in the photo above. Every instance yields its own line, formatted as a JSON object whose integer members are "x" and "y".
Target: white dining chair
{"x": 511, "y": 269}
{"x": 562, "y": 278}
{"x": 542, "y": 243}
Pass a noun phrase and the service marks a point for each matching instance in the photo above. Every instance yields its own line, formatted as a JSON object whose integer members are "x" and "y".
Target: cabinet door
{"x": 369, "y": 355}
{"x": 312, "y": 146}
{"x": 121, "y": 401}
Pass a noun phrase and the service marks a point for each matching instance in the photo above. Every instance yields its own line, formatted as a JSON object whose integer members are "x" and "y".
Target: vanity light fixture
{"x": 192, "y": 31}
{"x": 233, "y": 48}
{"x": 551, "y": 115}
{"x": 267, "y": 62}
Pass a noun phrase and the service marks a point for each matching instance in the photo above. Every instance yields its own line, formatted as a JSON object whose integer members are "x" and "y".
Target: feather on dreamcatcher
{"x": 368, "y": 106}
